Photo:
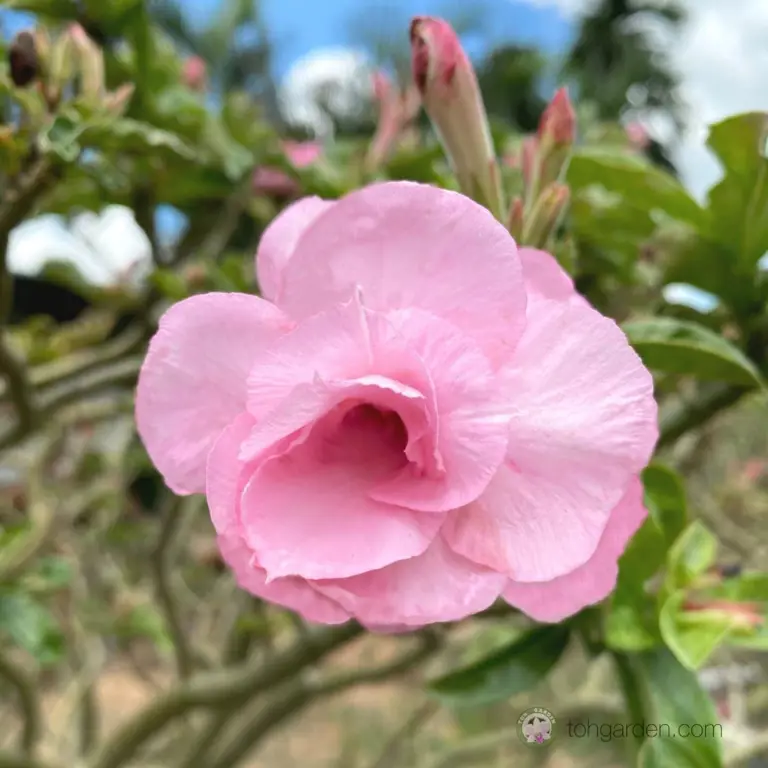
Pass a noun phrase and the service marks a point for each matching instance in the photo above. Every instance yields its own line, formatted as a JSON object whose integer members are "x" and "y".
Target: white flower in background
{"x": 107, "y": 249}
{"x": 335, "y": 80}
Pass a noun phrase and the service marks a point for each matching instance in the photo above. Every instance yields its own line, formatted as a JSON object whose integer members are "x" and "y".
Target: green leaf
{"x": 688, "y": 734}
{"x": 506, "y": 672}
{"x": 636, "y": 181}
{"x": 694, "y": 635}
{"x": 739, "y": 203}
{"x": 126, "y": 135}
{"x": 677, "y": 346}
{"x": 665, "y": 499}
{"x": 62, "y": 138}
{"x": 57, "y": 9}
{"x": 32, "y": 627}
{"x": 692, "y": 554}
{"x": 749, "y": 587}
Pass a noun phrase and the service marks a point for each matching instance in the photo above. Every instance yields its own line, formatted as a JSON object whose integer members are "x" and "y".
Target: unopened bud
{"x": 743, "y": 616}
{"x": 546, "y": 215}
{"x": 117, "y": 101}
{"x": 450, "y": 93}
{"x": 23, "y": 59}
{"x": 558, "y": 123}
{"x": 302, "y": 154}
{"x": 556, "y": 136}
{"x": 516, "y": 218}
{"x": 91, "y": 60}
{"x": 195, "y": 73}
{"x": 43, "y": 48}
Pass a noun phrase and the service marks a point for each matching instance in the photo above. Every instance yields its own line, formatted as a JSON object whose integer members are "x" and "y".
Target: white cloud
{"x": 723, "y": 59}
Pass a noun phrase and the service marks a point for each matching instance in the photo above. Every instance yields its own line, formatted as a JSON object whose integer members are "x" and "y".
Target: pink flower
{"x": 268, "y": 180}
{"x": 638, "y": 136}
{"x": 195, "y": 73}
{"x": 302, "y": 153}
{"x": 398, "y": 432}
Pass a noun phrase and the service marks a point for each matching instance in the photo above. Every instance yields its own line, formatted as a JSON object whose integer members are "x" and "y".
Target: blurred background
{"x": 240, "y": 107}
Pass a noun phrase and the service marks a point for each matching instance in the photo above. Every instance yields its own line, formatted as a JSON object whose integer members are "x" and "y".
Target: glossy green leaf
{"x": 634, "y": 180}
{"x": 687, "y": 734}
{"x": 665, "y": 499}
{"x": 676, "y": 346}
{"x": 692, "y": 554}
{"x": 739, "y": 203}
{"x": 506, "y": 672}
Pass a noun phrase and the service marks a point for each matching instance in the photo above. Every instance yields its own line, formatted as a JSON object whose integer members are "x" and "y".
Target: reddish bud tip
{"x": 638, "y": 136}
{"x": 436, "y": 52}
{"x": 195, "y": 73}
{"x": 558, "y": 123}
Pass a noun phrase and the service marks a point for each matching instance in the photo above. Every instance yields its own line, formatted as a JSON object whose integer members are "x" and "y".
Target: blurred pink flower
{"x": 398, "y": 433}
{"x": 195, "y": 73}
{"x": 638, "y": 136}
{"x": 275, "y": 182}
{"x": 302, "y": 153}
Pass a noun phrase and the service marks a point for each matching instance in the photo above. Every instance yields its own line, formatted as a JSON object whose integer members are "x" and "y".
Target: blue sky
{"x": 298, "y": 26}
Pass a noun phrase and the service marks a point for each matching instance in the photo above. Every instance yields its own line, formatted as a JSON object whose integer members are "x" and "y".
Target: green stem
{"x": 28, "y": 702}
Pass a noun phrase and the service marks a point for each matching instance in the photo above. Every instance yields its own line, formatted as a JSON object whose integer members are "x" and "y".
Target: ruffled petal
{"x": 585, "y": 423}
{"x": 555, "y": 600}
{"x": 413, "y": 245}
{"x": 279, "y": 241}
{"x": 436, "y": 586}
{"x": 193, "y": 381}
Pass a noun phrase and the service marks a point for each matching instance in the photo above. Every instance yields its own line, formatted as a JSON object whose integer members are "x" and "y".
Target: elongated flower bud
{"x": 546, "y": 215}
{"x": 556, "y": 136}
{"x": 450, "y": 92}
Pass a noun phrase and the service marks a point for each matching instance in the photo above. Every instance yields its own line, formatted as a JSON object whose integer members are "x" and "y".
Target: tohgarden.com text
{"x": 612, "y": 731}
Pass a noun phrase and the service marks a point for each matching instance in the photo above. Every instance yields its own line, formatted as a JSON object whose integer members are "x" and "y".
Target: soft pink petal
{"x": 436, "y": 586}
{"x": 565, "y": 595}
{"x": 226, "y": 478}
{"x": 279, "y": 241}
{"x": 472, "y": 411}
{"x": 291, "y": 593}
{"x": 308, "y": 512}
{"x": 193, "y": 381}
{"x": 226, "y": 475}
{"x": 544, "y": 275}
{"x": 467, "y": 410}
{"x": 585, "y": 423}
{"x": 412, "y": 245}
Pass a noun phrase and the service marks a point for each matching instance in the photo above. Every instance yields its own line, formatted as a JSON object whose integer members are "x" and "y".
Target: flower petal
{"x": 413, "y": 245}
{"x": 226, "y": 478}
{"x": 438, "y": 585}
{"x": 291, "y": 593}
{"x": 472, "y": 417}
{"x": 592, "y": 582}
{"x": 308, "y": 512}
{"x": 544, "y": 276}
{"x": 585, "y": 423}
{"x": 193, "y": 381}
{"x": 279, "y": 241}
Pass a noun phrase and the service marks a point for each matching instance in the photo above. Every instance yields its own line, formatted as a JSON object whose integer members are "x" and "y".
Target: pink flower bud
{"x": 302, "y": 153}
{"x": 274, "y": 182}
{"x": 450, "y": 92}
{"x": 742, "y": 615}
{"x": 558, "y": 123}
{"x": 195, "y": 73}
{"x": 638, "y": 136}
{"x": 516, "y": 221}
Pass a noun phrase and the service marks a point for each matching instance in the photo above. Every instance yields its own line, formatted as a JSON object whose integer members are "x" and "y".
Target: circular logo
{"x": 536, "y": 727}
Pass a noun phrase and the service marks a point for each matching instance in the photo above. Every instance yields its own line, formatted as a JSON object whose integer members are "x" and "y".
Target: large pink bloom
{"x": 416, "y": 420}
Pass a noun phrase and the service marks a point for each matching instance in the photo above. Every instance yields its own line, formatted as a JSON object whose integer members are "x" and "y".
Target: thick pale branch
{"x": 29, "y": 705}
